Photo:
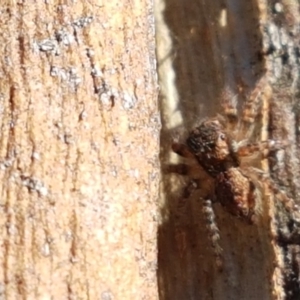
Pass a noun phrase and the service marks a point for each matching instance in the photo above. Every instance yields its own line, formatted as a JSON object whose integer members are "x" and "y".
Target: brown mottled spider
{"x": 221, "y": 164}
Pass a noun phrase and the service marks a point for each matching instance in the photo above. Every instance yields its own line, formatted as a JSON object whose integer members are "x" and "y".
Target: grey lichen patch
{"x": 45, "y": 250}
{"x": 107, "y": 295}
{"x": 96, "y": 72}
{"x": 128, "y": 101}
{"x": 58, "y": 72}
{"x": 34, "y": 185}
{"x": 35, "y": 155}
{"x": 65, "y": 36}
{"x": 281, "y": 48}
{"x": 73, "y": 78}
{"x": 7, "y": 163}
{"x": 106, "y": 93}
{"x": 83, "y": 21}
{"x": 69, "y": 75}
{"x": 47, "y": 45}
{"x": 90, "y": 52}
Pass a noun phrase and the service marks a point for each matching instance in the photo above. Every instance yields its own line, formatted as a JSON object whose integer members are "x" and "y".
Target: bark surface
{"x": 78, "y": 151}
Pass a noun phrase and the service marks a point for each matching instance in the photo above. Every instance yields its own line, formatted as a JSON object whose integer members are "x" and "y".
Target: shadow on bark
{"x": 215, "y": 44}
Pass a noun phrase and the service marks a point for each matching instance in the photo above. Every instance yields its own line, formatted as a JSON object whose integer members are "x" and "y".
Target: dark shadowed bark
{"x": 204, "y": 49}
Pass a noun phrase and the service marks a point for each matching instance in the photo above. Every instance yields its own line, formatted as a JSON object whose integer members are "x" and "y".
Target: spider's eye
{"x": 222, "y": 137}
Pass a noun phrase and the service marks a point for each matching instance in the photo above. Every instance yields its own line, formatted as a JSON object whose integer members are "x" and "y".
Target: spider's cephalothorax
{"x": 212, "y": 147}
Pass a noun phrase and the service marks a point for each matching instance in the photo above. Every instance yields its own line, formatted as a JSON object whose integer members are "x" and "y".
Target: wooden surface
{"x": 205, "y": 47}
{"x": 78, "y": 151}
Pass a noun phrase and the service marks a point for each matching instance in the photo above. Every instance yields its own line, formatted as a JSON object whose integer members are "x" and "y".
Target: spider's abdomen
{"x": 236, "y": 193}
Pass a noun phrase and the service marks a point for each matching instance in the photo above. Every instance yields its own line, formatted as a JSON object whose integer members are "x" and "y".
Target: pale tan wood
{"x": 79, "y": 150}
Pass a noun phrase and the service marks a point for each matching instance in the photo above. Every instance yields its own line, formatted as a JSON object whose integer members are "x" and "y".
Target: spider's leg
{"x": 181, "y": 215}
{"x": 263, "y": 147}
{"x": 193, "y": 169}
{"x": 251, "y": 106}
{"x": 229, "y": 105}
{"x": 260, "y": 94}
{"x": 182, "y": 150}
{"x": 182, "y": 169}
{"x": 288, "y": 203}
{"x": 213, "y": 230}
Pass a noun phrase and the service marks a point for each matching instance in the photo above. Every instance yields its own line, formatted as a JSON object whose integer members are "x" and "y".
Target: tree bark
{"x": 204, "y": 48}
{"x": 78, "y": 153}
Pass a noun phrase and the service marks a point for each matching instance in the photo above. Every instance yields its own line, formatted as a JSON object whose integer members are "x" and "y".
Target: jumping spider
{"x": 222, "y": 165}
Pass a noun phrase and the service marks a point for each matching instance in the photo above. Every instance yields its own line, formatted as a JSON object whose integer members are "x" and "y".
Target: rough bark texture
{"x": 78, "y": 151}
{"x": 205, "y": 47}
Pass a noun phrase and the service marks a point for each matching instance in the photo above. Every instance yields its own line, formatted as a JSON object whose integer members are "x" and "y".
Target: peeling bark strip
{"x": 208, "y": 49}
{"x": 78, "y": 150}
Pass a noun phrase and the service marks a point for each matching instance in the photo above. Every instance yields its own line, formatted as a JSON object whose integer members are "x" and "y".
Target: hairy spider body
{"x": 236, "y": 185}
{"x": 217, "y": 153}
{"x": 237, "y": 194}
